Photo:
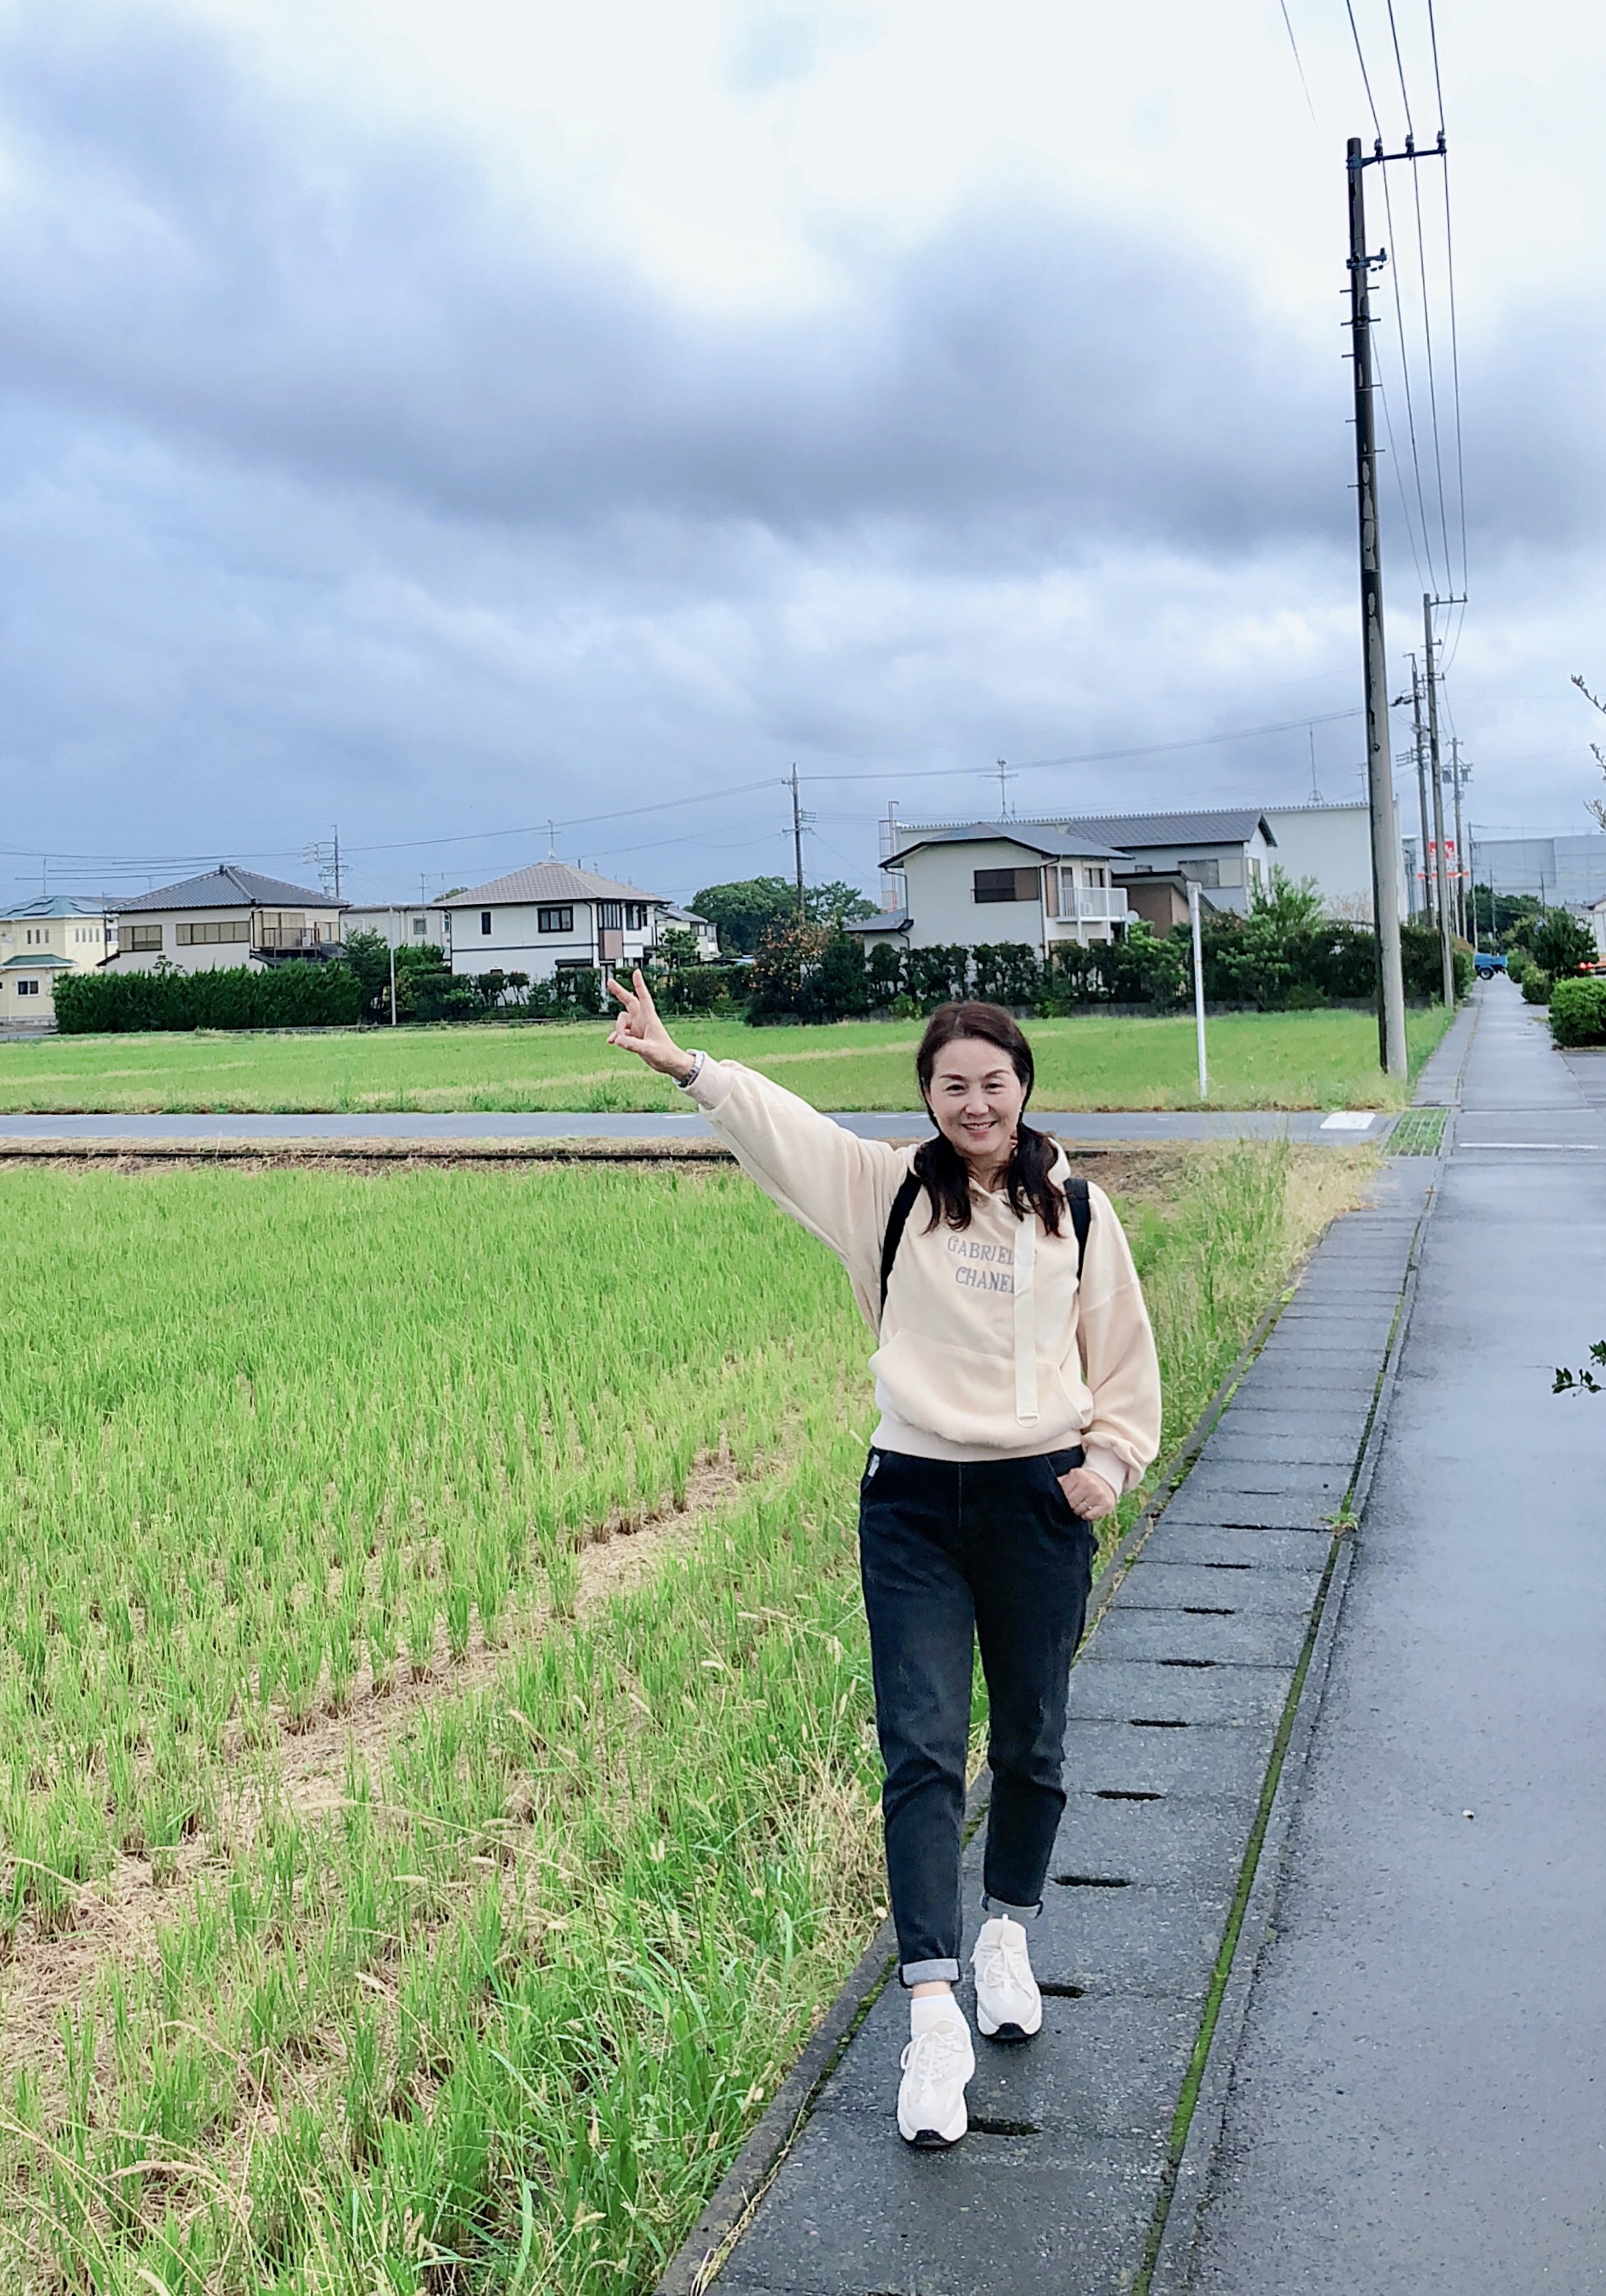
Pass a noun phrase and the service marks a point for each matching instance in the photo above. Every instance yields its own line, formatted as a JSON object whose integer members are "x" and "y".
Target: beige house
{"x": 1006, "y": 882}
{"x": 39, "y": 941}
{"x": 228, "y": 917}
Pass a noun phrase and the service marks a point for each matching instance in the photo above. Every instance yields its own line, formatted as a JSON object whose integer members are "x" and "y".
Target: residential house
{"x": 1007, "y": 880}
{"x": 1226, "y": 850}
{"x": 672, "y": 917}
{"x": 229, "y": 917}
{"x": 551, "y": 918}
{"x": 887, "y": 929}
{"x": 39, "y": 941}
{"x": 1332, "y": 845}
{"x": 1597, "y": 918}
{"x": 410, "y": 924}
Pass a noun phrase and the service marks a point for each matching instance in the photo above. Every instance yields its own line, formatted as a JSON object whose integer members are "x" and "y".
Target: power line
{"x": 1399, "y": 67}
{"x": 1298, "y": 65}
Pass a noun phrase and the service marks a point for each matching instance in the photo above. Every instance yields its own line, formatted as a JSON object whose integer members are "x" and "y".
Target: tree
{"x": 835, "y": 904}
{"x": 1559, "y": 944}
{"x": 743, "y": 912}
{"x": 1291, "y": 907}
{"x": 677, "y": 947}
{"x": 368, "y": 954}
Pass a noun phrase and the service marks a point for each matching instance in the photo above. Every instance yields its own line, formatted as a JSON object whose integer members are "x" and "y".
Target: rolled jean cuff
{"x": 930, "y": 1972}
{"x": 1010, "y": 1913}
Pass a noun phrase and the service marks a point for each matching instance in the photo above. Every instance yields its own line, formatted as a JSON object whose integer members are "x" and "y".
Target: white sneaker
{"x": 1009, "y": 2006}
{"x": 931, "y": 2099}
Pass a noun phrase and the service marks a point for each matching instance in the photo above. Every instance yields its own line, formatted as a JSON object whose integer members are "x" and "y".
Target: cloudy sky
{"x": 444, "y": 419}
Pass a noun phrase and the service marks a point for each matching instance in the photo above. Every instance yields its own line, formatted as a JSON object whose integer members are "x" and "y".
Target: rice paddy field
{"x": 438, "y": 1786}
{"x": 1257, "y": 1060}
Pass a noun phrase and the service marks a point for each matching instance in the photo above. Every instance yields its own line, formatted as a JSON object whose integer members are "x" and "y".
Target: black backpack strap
{"x": 1081, "y": 1213}
{"x": 903, "y": 1204}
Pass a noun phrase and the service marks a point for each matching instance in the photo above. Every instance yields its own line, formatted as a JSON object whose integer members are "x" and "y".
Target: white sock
{"x": 932, "y": 2009}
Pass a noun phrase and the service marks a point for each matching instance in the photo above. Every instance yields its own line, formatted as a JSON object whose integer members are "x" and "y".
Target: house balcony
{"x": 1103, "y": 909}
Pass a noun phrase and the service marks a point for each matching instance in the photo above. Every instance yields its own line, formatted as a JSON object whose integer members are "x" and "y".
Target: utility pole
{"x": 1199, "y": 1016}
{"x": 337, "y": 860}
{"x": 1441, "y": 874}
{"x": 1380, "y": 772}
{"x": 1422, "y": 782}
{"x": 1462, "y": 875}
{"x": 797, "y": 819}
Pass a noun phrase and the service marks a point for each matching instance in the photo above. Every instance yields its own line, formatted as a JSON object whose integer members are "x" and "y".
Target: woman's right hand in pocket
{"x": 638, "y": 1028}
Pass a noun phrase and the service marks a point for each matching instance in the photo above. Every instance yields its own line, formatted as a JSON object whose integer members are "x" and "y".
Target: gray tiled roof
{"x": 228, "y": 888}
{"x": 1059, "y": 840}
{"x": 40, "y": 961}
{"x": 1223, "y": 825}
{"x": 546, "y": 880}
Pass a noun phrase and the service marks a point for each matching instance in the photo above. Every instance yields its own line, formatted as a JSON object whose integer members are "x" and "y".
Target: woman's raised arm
{"x": 837, "y": 1185}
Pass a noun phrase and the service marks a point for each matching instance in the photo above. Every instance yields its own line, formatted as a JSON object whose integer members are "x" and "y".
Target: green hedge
{"x": 294, "y": 996}
{"x": 1577, "y": 1012}
{"x": 1535, "y": 986}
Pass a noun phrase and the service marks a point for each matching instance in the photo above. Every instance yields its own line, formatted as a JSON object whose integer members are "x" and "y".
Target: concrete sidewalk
{"x": 1419, "y": 2099}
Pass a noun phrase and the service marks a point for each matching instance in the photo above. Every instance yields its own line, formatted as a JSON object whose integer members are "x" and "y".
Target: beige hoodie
{"x": 989, "y": 1349}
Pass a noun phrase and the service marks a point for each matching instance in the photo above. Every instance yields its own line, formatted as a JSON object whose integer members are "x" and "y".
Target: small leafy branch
{"x": 1597, "y": 806}
{"x": 1576, "y": 1382}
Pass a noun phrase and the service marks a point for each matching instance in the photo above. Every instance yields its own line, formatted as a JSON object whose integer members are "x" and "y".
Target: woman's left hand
{"x": 1089, "y": 1495}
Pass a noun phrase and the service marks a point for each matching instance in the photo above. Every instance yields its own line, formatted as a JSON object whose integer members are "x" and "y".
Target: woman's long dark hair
{"x": 938, "y": 1164}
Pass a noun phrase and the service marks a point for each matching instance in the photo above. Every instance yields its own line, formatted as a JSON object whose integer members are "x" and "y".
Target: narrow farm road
{"x": 1418, "y": 2101}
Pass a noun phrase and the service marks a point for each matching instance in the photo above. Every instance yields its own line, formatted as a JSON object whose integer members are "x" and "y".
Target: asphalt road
{"x": 1419, "y": 2100}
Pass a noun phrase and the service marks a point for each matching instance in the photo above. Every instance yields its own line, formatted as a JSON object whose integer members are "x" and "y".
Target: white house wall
{"x": 942, "y": 903}
{"x": 1332, "y": 843}
{"x": 515, "y": 944}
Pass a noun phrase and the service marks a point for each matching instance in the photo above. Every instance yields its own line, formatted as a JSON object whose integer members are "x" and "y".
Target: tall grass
{"x": 498, "y": 2019}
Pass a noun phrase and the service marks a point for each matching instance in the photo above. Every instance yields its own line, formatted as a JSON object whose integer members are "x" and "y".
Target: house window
{"x": 485, "y": 921}
{"x": 1204, "y": 873}
{"x": 635, "y": 916}
{"x": 610, "y": 915}
{"x": 420, "y": 926}
{"x": 211, "y": 932}
{"x": 558, "y": 921}
{"x": 27, "y": 987}
{"x": 144, "y": 937}
{"x": 1094, "y": 875}
{"x": 1006, "y": 885}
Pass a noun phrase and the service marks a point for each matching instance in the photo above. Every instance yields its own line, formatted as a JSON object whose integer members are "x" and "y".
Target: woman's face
{"x": 975, "y": 1098}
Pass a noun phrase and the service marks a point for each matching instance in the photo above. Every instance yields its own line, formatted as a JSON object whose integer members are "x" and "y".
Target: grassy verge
{"x": 497, "y": 2012}
{"x": 1269, "y": 1060}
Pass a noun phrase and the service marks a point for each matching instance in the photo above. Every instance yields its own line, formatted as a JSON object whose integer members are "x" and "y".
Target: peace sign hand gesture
{"x": 639, "y": 1029}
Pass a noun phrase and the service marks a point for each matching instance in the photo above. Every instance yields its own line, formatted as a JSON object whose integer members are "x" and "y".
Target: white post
{"x": 391, "y": 936}
{"x": 1204, "y": 1076}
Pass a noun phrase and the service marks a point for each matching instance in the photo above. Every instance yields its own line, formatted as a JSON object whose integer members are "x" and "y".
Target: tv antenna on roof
{"x": 1004, "y": 776}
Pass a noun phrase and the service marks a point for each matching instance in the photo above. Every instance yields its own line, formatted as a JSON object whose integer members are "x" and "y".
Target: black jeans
{"x": 950, "y": 1556}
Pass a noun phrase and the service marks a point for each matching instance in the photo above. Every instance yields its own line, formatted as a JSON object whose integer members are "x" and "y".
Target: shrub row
{"x": 296, "y": 996}
{"x": 810, "y": 972}
{"x": 1577, "y": 1012}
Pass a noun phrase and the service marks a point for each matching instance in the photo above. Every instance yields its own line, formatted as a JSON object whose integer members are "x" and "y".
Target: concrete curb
{"x": 1168, "y": 2275}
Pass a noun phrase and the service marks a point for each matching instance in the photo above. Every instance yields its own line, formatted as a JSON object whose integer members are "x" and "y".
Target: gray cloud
{"x": 344, "y": 484}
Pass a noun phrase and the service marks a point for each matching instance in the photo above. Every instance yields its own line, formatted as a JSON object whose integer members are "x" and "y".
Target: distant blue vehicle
{"x": 1486, "y": 964}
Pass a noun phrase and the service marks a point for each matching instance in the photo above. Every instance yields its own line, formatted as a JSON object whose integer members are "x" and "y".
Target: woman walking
{"x": 1018, "y": 1393}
